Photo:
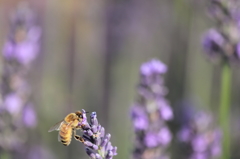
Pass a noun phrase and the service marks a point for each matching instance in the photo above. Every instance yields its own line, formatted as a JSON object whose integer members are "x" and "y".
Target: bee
{"x": 67, "y": 127}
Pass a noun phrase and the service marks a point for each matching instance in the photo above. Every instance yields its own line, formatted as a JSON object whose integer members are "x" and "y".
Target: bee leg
{"x": 77, "y": 137}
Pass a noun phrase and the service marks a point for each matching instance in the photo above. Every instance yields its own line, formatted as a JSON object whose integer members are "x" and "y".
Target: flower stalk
{"x": 224, "y": 111}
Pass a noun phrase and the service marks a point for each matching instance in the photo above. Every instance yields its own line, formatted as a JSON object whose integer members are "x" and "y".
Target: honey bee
{"x": 68, "y": 126}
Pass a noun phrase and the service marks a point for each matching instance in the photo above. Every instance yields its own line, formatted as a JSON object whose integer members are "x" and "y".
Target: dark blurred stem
{"x": 224, "y": 109}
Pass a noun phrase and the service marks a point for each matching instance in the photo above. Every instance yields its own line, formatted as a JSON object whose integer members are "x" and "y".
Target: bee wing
{"x": 59, "y": 137}
{"x": 56, "y": 126}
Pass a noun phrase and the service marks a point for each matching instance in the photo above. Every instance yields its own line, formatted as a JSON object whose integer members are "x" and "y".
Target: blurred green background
{"x": 91, "y": 51}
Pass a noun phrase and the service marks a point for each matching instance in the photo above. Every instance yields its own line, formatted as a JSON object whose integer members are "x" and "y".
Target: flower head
{"x": 201, "y": 137}
{"x": 97, "y": 143}
{"x": 222, "y": 41}
{"x": 150, "y": 113}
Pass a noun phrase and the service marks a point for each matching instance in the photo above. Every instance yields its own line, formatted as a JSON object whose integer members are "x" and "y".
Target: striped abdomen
{"x": 65, "y": 134}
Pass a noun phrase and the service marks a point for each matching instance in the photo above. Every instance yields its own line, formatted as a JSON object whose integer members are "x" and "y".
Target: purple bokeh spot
{"x": 165, "y": 110}
{"x": 212, "y": 41}
{"x": 29, "y": 116}
{"x": 8, "y": 50}
{"x": 26, "y": 52}
{"x": 13, "y": 103}
{"x": 216, "y": 150}
{"x": 153, "y": 66}
{"x": 158, "y": 66}
{"x": 184, "y": 135}
{"x": 34, "y": 34}
{"x": 145, "y": 69}
{"x": 151, "y": 140}
{"x": 139, "y": 118}
{"x": 199, "y": 143}
{"x": 164, "y": 136}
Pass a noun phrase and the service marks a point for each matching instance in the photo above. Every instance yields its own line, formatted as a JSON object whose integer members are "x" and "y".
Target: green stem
{"x": 224, "y": 112}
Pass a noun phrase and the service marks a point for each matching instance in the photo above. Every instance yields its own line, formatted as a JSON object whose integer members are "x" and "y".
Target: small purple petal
{"x": 103, "y": 143}
{"x": 102, "y": 132}
{"x": 94, "y": 129}
{"x": 93, "y": 119}
{"x": 90, "y": 153}
{"x": 114, "y": 150}
{"x": 109, "y": 154}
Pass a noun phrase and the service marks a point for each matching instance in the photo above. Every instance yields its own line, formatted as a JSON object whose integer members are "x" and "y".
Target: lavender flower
{"x": 222, "y": 41}
{"x": 97, "y": 143}
{"x": 204, "y": 140}
{"x": 150, "y": 113}
{"x": 19, "y": 51}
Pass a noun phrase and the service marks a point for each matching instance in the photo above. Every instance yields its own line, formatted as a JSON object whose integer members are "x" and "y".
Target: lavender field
{"x": 156, "y": 79}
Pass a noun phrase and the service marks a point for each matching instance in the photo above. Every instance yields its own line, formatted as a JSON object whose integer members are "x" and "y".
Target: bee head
{"x": 79, "y": 114}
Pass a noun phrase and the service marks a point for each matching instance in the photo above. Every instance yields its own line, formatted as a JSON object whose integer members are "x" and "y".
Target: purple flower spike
{"x": 221, "y": 42}
{"x": 18, "y": 113}
{"x": 150, "y": 113}
{"x": 96, "y": 142}
{"x": 199, "y": 134}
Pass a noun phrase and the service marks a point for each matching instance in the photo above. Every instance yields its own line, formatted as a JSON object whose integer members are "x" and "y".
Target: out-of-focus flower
{"x": 23, "y": 43}
{"x": 150, "y": 113}
{"x": 222, "y": 41}
{"x": 201, "y": 137}
{"x": 213, "y": 42}
{"x": 19, "y": 51}
{"x": 97, "y": 143}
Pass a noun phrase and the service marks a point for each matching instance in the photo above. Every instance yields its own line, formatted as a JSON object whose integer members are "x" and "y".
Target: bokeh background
{"x": 90, "y": 57}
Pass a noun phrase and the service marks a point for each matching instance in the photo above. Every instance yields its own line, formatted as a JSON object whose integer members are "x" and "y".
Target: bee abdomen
{"x": 65, "y": 136}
